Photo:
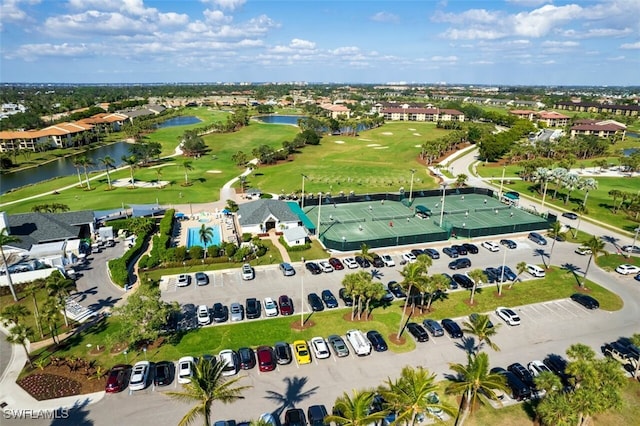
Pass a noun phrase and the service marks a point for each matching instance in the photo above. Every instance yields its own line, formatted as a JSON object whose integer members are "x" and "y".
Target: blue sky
{"x": 595, "y": 42}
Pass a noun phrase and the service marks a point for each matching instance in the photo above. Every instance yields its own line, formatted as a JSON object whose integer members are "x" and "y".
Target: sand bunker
{"x": 373, "y": 144}
{"x": 338, "y": 141}
{"x": 386, "y": 133}
{"x": 417, "y": 134}
{"x": 417, "y": 146}
{"x": 381, "y": 147}
{"x": 412, "y": 130}
{"x": 363, "y": 139}
{"x": 214, "y": 171}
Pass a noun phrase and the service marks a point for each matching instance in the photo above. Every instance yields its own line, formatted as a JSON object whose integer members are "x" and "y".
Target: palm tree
{"x": 461, "y": 180}
{"x": 586, "y": 185}
{"x": 78, "y": 164}
{"x": 187, "y": 165}
{"x": 131, "y": 161}
{"x": 58, "y": 287}
{"x": 373, "y": 291}
{"x": 6, "y": 239}
{"x": 571, "y": 181}
{"x": 478, "y": 276}
{"x": 474, "y": 379}
{"x": 557, "y": 409}
{"x": 615, "y": 194}
{"x": 20, "y": 334}
{"x": 354, "y": 410}
{"x": 435, "y": 284}
{"x": 581, "y": 210}
{"x": 596, "y": 245}
{"x": 207, "y": 386}
{"x": 14, "y": 313}
{"x": 557, "y": 175}
{"x": 555, "y": 230}
{"x": 206, "y": 236}
{"x": 32, "y": 289}
{"x": 86, "y": 162}
{"x": 520, "y": 268}
{"x": 480, "y": 326}
{"x": 542, "y": 176}
{"x": 51, "y": 316}
{"x": 411, "y": 395}
{"x": 355, "y": 284}
{"x": 365, "y": 253}
{"x": 413, "y": 275}
{"x": 109, "y": 163}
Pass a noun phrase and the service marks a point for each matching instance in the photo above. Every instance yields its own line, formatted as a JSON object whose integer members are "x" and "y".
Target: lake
{"x": 183, "y": 120}
{"x": 291, "y": 120}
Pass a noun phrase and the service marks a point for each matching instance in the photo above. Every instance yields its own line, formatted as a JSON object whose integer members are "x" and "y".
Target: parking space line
{"x": 561, "y": 304}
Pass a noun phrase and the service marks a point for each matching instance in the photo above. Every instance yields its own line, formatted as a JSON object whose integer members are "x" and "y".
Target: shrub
{"x": 196, "y": 252}
{"x": 246, "y": 237}
{"x": 303, "y": 247}
{"x": 180, "y": 253}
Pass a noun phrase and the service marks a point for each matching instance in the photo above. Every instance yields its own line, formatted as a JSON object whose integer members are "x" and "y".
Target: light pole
{"x": 413, "y": 172}
{"x": 126, "y": 356}
{"x": 504, "y": 168}
{"x": 319, "y": 206}
{"x": 504, "y": 262}
{"x": 344, "y": 240}
{"x": 635, "y": 237}
{"x": 303, "y": 178}
{"x": 444, "y": 187}
{"x": 302, "y": 294}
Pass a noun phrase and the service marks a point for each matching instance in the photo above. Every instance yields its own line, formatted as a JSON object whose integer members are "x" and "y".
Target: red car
{"x": 266, "y": 358}
{"x": 118, "y": 378}
{"x": 337, "y": 265}
{"x": 285, "y": 304}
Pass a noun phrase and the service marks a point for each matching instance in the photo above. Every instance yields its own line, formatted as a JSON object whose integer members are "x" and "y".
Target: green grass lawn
{"x": 610, "y": 261}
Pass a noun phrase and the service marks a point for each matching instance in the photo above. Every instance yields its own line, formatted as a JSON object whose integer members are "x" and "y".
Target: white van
{"x": 535, "y": 270}
{"x": 360, "y": 344}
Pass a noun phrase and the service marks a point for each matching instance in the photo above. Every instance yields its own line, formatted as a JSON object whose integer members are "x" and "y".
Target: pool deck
{"x": 227, "y": 226}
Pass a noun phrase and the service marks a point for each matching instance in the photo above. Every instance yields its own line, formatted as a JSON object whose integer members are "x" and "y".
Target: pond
{"x": 291, "y": 120}
{"x": 183, "y": 120}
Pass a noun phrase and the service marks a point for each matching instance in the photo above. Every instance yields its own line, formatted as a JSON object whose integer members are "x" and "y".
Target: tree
{"x": 520, "y": 268}
{"x": 365, "y": 253}
{"x": 51, "y": 317}
{"x": 206, "y": 236}
{"x": 86, "y": 162}
{"x": 435, "y": 284}
{"x": 32, "y": 289}
{"x": 6, "y": 239}
{"x": 58, "y": 287}
{"x": 239, "y": 158}
{"x": 20, "y": 334}
{"x": 13, "y": 313}
{"x": 355, "y": 285}
{"x": 207, "y": 386}
{"x": 480, "y": 326}
{"x": 635, "y": 340}
{"x": 109, "y": 163}
{"x": 77, "y": 163}
{"x": 478, "y": 276}
{"x": 354, "y": 409}
{"x": 555, "y": 231}
{"x": 555, "y": 409}
{"x": 461, "y": 180}
{"x": 596, "y": 245}
{"x": 372, "y": 292}
{"x": 474, "y": 379}
{"x": 187, "y": 165}
{"x": 413, "y": 274}
{"x": 410, "y": 395}
{"x": 131, "y": 161}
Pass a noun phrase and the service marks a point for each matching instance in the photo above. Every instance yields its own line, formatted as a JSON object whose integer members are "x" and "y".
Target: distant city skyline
{"x": 512, "y": 42}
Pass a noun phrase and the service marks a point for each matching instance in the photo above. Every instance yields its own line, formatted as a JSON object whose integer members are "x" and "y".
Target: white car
{"x": 627, "y": 269}
{"x": 325, "y": 266}
{"x": 536, "y": 367}
{"x": 350, "y": 263}
{"x": 320, "y": 348}
{"x": 203, "y": 315}
{"x": 583, "y": 251}
{"x": 183, "y": 280}
{"x": 491, "y": 246}
{"x": 434, "y": 408}
{"x": 247, "y": 272}
{"x": 230, "y": 360}
{"x": 388, "y": 261}
{"x": 270, "y": 307}
{"x": 185, "y": 369}
{"x": 508, "y": 315}
{"x": 409, "y": 257}
{"x": 139, "y": 375}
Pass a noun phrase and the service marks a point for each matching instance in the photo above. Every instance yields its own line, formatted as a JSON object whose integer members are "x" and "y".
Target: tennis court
{"x": 391, "y": 220}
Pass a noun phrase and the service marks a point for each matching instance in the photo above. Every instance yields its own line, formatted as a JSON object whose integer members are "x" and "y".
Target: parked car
{"x": 471, "y": 248}
{"x": 339, "y": 346}
{"x": 388, "y": 261}
{"x": 462, "y": 251}
{"x": 350, "y": 263}
{"x": 432, "y": 253}
{"x": 246, "y": 358}
{"x": 329, "y": 299}
{"x": 266, "y": 358}
{"x": 253, "y": 308}
{"x": 316, "y": 415}
{"x": 346, "y": 297}
{"x": 286, "y": 305}
{"x": 417, "y": 252}
{"x": 203, "y": 315}
{"x": 336, "y": 264}
{"x": 507, "y": 273}
{"x": 585, "y": 300}
{"x": 631, "y": 249}
{"x": 301, "y": 352}
{"x": 433, "y": 327}
{"x": 315, "y": 302}
{"x": 508, "y": 315}
{"x": 570, "y": 215}
{"x": 519, "y": 390}
{"x": 522, "y": 373}
{"x": 163, "y": 373}
{"x": 463, "y": 281}
{"x": 139, "y": 375}
{"x": 202, "y": 278}
{"x": 268, "y": 419}
{"x": 377, "y": 261}
{"x": 462, "y": 262}
{"x": 185, "y": 369}
{"x": 558, "y": 365}
{"x": 362, "y": 262}
{"x": 627, "y": 269}
{"x": 220, "y": 313}
{"x": 247, "y": 272}
{"x": 270, "y": 307}
{"x": 294, "y": 417}
{"x": 434, "y": 405}
{"x": 452, "y": 283}
{"x": 509, "y": 243}
{"x": 229, "y": 358}
{"x": 320, "y": 348}
{"x": 283, "y": 353}
{"x": 536, "y": 367}
{"x": 450, "y": 251}
{"x": 237, "y": 312}
{"x": 287, "y": 269}
{"x": 493, "y": 274}
{"x": 408, "y": 258}
{"x": 491, "y": 246}
{"x": 325, "y": 266}
{"x": 452, "y": 327}
{"x": 536, "y": 270}
{"x": 377, "y": 341}
{"x": 396, "y": 289}
{"x": 118, "y": 378}
{"x": 418, "y": 332}
{"x": 537, "y": 238}
{"x": 313, "y": 268}
{"x": 583, "y": 251}
{"x": 473, "y": 317}
{"x": 183, "y": 280}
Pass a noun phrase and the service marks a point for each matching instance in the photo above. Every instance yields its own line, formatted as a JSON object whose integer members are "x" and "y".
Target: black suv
{"x": 471, "y": 248}
{"x": 329, "y": 299}
{"x": 346, "y": 298}
{"x": 220, "y": 312}
{"x": 364, "y": 263}
{"x": 313, "y": 268}
{"x": 253, "y": 308}
{"x": 522, "y": 373}
{"x": 418, "y": 332}
{"x": 519, "y": 390}
{"x": 315, "y": 302}
{"x": 460, "y": 263}
{"x": 432, "y": 253}
{"x": 452, "y": 327}
{"x": 377, "y": 261}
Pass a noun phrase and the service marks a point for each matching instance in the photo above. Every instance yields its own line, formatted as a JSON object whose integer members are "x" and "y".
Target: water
{"x": 633, "y": 135}
{"x": 627, "y": 152}
{"x": 193, "y": 237}
{"x": 291, "y": 120}
{"x": 62, "y": 167}
{"x": 183, "y": 120}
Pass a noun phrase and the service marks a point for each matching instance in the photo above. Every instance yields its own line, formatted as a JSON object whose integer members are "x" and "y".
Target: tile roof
{"x": 258, "y": 211}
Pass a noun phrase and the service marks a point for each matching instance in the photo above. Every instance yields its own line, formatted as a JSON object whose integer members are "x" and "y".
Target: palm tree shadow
{"x": 611, "y": 240}
{"x": 80, "y": 296}
{"x": 542, "y": 254}
{"x": 377, "y": 273}
{"x": 293, "y": 394}
{"x": 573, "y": 269}
{"x": 468, "y": 344}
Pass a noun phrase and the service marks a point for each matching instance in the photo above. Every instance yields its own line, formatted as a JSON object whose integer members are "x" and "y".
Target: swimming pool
{"x": 193, "y": 237}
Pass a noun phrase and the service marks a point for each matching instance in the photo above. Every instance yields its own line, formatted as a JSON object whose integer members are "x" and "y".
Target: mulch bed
{"x": 57, "y": 382}
{"x": 306, "y": 325}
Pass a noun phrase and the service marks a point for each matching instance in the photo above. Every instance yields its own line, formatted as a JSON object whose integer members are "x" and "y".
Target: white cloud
{"x": 635, "y": 45}
{"x": 540, "y": 22}
{"x": 616, "y": 58}
{"x": 482, "y": 62}
{"x": 558, "y": 44}
{"x": 346, "y": 50}
{"x": 385, "y": 17}
{"x": 11, "y": 10}
{"x": 216, "y": 16}
{"x": 473, "y": 34}
{"x": 30, "y": 52}
{"x": 471, "y": 16}
{"x": 549, "y": 62}
{"x": 444, "y": 58}
{"x": 597, "y": 32}
{"x": 297, "y": 43}
{"x": 529, "y": 2}
{"x": 228, "y": 4}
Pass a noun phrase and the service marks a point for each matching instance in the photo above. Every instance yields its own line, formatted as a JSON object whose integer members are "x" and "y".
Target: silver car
{"x": 237, "y": 312}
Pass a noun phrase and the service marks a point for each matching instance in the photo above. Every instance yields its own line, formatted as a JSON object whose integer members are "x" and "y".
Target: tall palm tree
{"x": 51, "y": 317}
{"x": 32, "y": 290}
{"x": 435, "y": 284}
{"x": 14, "y": 313}
{"x": 586, "y": 185}
{"x": 554, "y": 231}
{"x": 109, "y": 163}
{"x": 542, "y": 176}
{"x": 6, "y": 239}
{"x": 520, "y": 268}
{"x": 86, "y": 162}
{"x": 596, "y": 245}
{"x": 59, "y": 288}
{"x": 478, "y": 276}
{"x": 373, "y": 291}
{"x": 365, "y": 252}
{"x": 571, "y": 182}
{"x": 20, "y": 334}
{"x": 187, "y": 165}
{"x": 581, "y": 210}
{"x": 480, "y": 326}
{"x": 354, "y": 409}
{"x": 207, "y": 386}
{"x": 206, "y": 236}
{"x": 557, "y": 175}
{"x": 411, "y": 395}
{"x": 131, "y": 161}
{"x": 412, "y": 275}
{"x": 474, "y": 379}
{"x": 78, "y": 164}
{"x": 354, "y": 284}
